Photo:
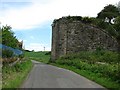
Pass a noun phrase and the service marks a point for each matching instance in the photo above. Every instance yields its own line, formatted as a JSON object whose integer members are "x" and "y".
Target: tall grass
{"x": 13, "y": 76}
{"x": 95, "y": 56}
{"x": 38, "y": 56}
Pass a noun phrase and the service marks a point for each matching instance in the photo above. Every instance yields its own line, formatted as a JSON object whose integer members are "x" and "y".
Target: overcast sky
{"x": 31, "y": 19}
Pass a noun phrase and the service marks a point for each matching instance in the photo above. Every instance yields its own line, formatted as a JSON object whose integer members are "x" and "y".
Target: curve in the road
{"x": 48, "y": 76}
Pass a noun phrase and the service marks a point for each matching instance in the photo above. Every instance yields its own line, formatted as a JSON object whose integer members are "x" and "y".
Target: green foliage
{"x": 74, "y": 18}
{"x": 118, "y": 6}
{"x": 117, "y": 23}
{"x": 21, "y": 56}
{"x": 6, "y": 53}
{"x": 98, "y": 55}
{"x": 80, "y": 18}
{"x": 109, "y": 12}
{"x": 10, "y": 40}
{"x": 8, "y": 37}
{"x": 87, "y": 19}
{"x": 117, "y": 27}
{"x": 38, "y": 56}
{"x": 100, "y": 23}
{"x": 48, "y": 53}
{"x": 12, "y": 77}
{"x": 0, "y": 35}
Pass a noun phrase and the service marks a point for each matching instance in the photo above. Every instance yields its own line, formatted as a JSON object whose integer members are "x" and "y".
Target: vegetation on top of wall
{"x": 77, "y": 18}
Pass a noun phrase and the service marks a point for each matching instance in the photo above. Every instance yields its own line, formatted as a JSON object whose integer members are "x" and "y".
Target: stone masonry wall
{"x": 75, "y": 36}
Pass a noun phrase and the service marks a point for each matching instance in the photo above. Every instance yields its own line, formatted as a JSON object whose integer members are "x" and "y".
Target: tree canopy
{"x": 118, "y": 6}
{"x": 109, "y": 12}
{"x": 8, "y": 37}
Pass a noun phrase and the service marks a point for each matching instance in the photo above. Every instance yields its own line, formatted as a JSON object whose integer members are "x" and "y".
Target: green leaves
{"x": 106, "y": 16}
{"x": 8, "y": 37}
{"x": 109, "y": 11}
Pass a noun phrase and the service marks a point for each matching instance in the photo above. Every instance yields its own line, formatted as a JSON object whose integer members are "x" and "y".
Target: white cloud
{"x": 24, "y": 40}
{"x": 40, "y": 11}
{"x": 38, "y": 47}
{"x": 26, "y": 18}
{"x": 31, "y": 37}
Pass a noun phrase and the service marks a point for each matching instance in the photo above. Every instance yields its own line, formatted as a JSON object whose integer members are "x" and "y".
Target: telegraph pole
{"x": 44, "y": 48}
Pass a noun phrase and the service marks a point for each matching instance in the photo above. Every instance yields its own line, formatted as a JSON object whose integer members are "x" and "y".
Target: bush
{"x": 101, "y": 23}
{"x": 86, "y": 20}
{"x": 6, "y": 53}
{"x": 21, "y": 56}
{"x": 94, "y": 56}
{"x": 48, "y": 53}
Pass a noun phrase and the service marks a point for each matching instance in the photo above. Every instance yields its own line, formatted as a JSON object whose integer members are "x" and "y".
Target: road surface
{"x": 48, "y": 76}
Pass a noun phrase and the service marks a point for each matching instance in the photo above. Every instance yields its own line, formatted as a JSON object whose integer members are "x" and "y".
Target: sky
{"x": 31, "y": 19}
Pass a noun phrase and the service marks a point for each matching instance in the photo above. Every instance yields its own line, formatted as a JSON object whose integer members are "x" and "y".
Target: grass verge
{"x": 15, "y": 75}
{"x": 38, "y": 56}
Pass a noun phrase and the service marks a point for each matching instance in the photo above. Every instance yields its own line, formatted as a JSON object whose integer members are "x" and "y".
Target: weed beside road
{"x": 13, "y": 76}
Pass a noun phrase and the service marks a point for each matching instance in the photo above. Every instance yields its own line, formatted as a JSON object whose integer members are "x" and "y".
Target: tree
{"x": 117, "y": 30}
{"x": 109, "y": 12}
{"x": 118, "y": 6}
{"x": 8, "y": 37}
{"x": 114, "y": 30}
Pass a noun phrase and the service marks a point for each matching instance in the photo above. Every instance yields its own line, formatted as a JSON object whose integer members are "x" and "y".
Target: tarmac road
{"x": 48, "y": 76}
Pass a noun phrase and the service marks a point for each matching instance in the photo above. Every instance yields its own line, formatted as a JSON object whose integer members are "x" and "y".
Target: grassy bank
{"x": 13, "y": 76}
{"x": 38, "y": 56}
{"x": 101, "y": 67}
